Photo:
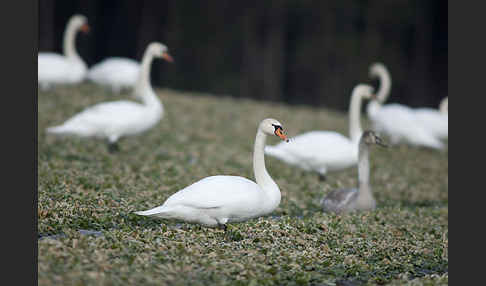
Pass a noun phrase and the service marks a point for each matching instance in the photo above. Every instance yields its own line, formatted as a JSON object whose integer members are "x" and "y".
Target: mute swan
{"x": 217, "y": 200}
{"x": 326, "y": 151}
{"x": 361, "y": 198}
{"x": 435, "y": 121}
{"x": 113, "y": 120}
{"x": 396, "y": 120}
{"x": 69, "y": 68}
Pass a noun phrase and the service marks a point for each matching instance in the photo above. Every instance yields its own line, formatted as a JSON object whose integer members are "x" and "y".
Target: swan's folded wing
{"x": 215, "y": 192}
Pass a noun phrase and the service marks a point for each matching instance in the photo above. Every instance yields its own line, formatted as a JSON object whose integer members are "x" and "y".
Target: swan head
{"x": 159, "y": 50}
{"x": 371, "y": 138}
{"x": 79, "y": 22}
{"x": 377, "y": 69}
{"x": 271, "y": 126}
{"x": 366, "y": 91}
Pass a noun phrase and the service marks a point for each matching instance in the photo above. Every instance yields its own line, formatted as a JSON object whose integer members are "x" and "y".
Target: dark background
{"x": 295, "y": 51}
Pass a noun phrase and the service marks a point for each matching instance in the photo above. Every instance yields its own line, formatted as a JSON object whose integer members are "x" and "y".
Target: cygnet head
{"x": 371, "y": 138}
{"x": 365, "y": 91}
{"x": 79, "y": 22}
{"x": 377, "y": 69}
{"x": 159, "y": 50}
{"x": 271, "y": 126}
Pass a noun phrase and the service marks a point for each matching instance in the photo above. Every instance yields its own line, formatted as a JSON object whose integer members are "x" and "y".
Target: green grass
{"x": 82, "y": 186}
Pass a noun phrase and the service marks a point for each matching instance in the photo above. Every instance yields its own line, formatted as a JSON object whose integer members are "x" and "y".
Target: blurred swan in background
{"x": 68, "y": 68}
{"x": 116, "y": 119}
{"x": 326, "y": 151}
{"x": 360, "y": 198}
{"x": 217, "y": 200}
{"x": 396, "y": 120}
{"x": 115, "y": 73}
{"x": 436, "y": 121}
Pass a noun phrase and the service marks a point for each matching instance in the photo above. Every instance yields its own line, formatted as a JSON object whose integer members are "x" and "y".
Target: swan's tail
{"x": 274, "y": 151}
{"x": 158, "y": 211}
{"x": 61, "y": 129}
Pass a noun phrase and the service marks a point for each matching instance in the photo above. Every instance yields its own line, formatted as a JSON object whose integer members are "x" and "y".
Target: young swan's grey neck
{"x": 355, "y": 130}
{"x": 69, "y": 41}
{"x": 143, "y": 88}
{"x": 444, "y": 106}
{"x": 365, "y": 196}
{"x": 380, "y": 71}
{"x": 262, "y": 177}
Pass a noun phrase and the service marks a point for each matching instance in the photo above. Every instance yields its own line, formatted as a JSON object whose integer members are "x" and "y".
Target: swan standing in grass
{"x": 69, "y": 68}
{"x": 396, "y": 120}
{"x": 217, "y": 200}
{"x": 436, "y": 121}
{"x": 326, "y": 151}
{"x": 116, "y": 119}
{"x": 361, "y": 198}
{"x": 115, "y": 73}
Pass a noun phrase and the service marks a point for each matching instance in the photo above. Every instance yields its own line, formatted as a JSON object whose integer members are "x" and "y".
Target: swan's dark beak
{"x": 381, "y": 142}
{"x": 167, "y": 57}
{"x": 85, "y": 28}
{"x": 279, "y": 132}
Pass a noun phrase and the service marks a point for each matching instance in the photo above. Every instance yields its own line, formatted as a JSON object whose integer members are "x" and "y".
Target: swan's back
{"x": 434, "y": 121}
{"x": 56, "y": 68}
{"x": 115, "y": 71}
{"x": 109, "y": 119}
{"x": 315, "y": 148}
{"x": 217, "y": 192}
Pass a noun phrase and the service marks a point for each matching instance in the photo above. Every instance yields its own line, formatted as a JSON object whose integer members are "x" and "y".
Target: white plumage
{"x": 396, "y": 120}
{"x": 113, "y": 120}
{"x": 217, "y": 200}
{"x": 68, "y": 68}
{"x": 115, "y": 73}
{"x": 435, "y": 121}
{"x": 326, "y": 151}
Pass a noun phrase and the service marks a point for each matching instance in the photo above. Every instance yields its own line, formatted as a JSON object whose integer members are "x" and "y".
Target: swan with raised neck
{"x": 116, "y": 119}
{"x": 217, "y": 200}
{"x": 360, "y": 198}
{"x": 76, "y": 23}
{"x": 326, "y": 151}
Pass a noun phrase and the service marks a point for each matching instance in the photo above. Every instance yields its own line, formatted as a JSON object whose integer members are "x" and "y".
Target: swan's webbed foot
{"x": 113, "y": 147}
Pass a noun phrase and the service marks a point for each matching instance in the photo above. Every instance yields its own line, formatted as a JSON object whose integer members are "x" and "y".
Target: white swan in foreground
{"x": 217, "y": 200}
{"x": 396, "y": 120}
{"x": 326, "y": 151}
{"x": 117, "y": 73}
{"x": 68, "y": 68}
{"x": 360, "y": 198}
{"x": 116, "y": 119}
{"x": 435, "y": 121}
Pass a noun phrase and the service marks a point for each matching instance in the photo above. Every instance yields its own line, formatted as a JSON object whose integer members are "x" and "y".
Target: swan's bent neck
{"x": 262, "y": 177}
{"x": 355, "y": 130}
{"x": 385, "y": 86}
{"x": 364, "y": 170}
{"x": 444, "y": 106}
{"x": 69, "y": 44}
{"x": 143, "y": 88}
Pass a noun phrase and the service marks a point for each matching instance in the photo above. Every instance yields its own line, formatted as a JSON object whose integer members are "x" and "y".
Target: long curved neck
{"x": 69, "y": 48}
{"x": 262, "y": 177}
{"x": 143, "y": 88}
{"x": 385, "y": 86}
{"x": 364, "y": 169}
{"x": 355, "y": 130}
{"x": 444, "y": 106}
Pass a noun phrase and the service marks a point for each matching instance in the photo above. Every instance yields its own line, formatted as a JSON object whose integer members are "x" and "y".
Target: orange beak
{"x": 281, "y": 135}
{"x": 85, "y": 28}
{"x": 167, "y": 57}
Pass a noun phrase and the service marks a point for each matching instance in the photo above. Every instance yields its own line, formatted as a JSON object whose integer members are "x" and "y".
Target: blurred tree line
{"x": 295, "y": 51}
